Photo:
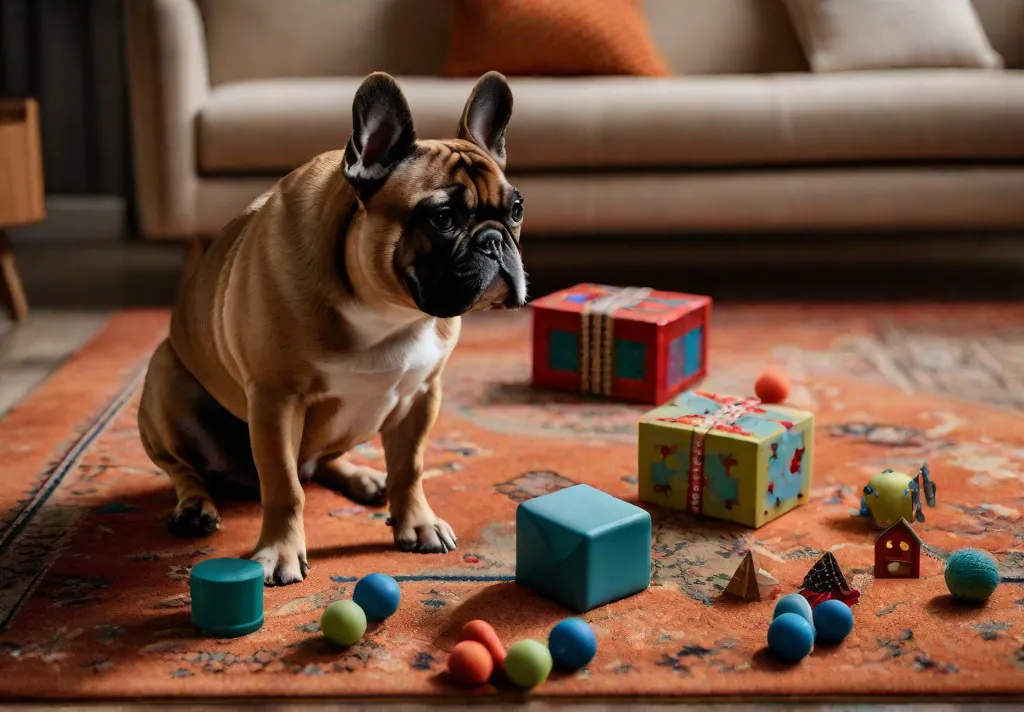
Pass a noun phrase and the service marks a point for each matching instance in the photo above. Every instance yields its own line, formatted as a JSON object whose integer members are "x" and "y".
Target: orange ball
{"x": 483, "y": 633}
{"x": 470, "y": 663}
{"x": 772, "y": 386}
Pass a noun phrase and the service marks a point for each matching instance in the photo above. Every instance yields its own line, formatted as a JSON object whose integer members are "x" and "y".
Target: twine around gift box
{"x": 727, "y": 415}
{"x": 597, "y": 345}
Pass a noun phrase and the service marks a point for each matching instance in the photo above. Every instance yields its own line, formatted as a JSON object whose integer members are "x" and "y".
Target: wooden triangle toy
{"x": 751, "y": 583}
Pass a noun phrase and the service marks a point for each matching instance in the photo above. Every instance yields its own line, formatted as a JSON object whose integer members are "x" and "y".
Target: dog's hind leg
{"x": 195, "y": 515}
{"x": 359, "y": 483}
{"x": 168, "y": 427}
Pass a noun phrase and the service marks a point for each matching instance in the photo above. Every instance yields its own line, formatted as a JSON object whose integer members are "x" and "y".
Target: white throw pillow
{"x": 850, "y": 35}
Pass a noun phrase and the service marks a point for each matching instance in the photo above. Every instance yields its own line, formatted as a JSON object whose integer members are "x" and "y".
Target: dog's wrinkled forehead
{"x": 456, "y": 169}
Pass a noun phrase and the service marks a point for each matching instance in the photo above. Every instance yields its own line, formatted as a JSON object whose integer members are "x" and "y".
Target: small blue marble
{"x": 790, "y": 637}
{"x": 378, "y": 595}
{"x": 833, "y": 621}
{"x": 794, "y": 603}
{"x": 572, "y": 643}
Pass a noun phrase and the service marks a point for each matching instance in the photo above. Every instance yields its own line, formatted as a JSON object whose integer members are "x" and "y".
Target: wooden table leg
{"x": 13, "y": 292}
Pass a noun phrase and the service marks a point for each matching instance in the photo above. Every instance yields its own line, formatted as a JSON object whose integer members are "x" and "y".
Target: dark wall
{"x": 68, "y": 55}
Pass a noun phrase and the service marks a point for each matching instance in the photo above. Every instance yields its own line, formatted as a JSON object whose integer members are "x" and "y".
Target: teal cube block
{"x": 582, "y": 547}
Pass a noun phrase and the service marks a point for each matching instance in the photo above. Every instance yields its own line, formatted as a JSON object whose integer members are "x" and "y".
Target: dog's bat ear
{"x": 382, "y": 133}
{"x": 486, "y": 115}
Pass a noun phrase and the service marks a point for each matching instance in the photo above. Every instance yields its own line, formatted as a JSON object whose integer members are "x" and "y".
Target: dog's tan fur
{"x": 295, "y": 340}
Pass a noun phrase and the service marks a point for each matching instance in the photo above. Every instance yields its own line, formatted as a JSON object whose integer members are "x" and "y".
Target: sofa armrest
{"x": 168, "y": 83}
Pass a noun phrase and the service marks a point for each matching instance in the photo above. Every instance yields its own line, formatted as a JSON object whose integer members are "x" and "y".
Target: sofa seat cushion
{"x": 273, "y": 126}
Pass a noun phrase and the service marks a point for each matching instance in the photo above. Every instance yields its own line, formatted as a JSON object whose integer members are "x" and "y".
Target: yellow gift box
{"x": 725, "y": 457}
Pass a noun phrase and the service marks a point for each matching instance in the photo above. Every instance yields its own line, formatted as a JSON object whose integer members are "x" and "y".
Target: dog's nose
{"x": 488, "y": 241}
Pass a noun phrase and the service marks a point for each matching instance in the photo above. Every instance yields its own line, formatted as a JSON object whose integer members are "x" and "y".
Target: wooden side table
{"x": 22, "y": 192}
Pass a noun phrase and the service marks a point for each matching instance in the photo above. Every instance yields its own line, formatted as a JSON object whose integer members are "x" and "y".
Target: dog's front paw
{"x": 194, "y": 517}
{"x": 283, "y": 561}
{"x": 424, "y": 534}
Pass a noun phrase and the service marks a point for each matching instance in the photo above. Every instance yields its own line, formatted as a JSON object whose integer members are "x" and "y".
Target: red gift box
{"x": 628, "y": 343}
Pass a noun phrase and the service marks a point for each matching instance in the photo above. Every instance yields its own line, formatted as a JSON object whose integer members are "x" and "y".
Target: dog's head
{"x": 439, "y": 224}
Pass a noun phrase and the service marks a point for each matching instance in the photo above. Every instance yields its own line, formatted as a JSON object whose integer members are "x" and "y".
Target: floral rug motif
{"x": 94, "y": 592}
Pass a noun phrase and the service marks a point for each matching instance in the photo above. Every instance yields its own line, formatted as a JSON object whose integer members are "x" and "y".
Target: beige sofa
{"x": 227, "y": 95}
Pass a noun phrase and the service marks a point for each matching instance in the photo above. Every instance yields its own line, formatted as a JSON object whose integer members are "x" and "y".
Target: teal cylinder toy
{"x": 971, "y": 575}
{"x": 227, "y": 597}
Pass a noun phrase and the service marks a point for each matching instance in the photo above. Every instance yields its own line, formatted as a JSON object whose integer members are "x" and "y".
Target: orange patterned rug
{"x": 94, "y": 591}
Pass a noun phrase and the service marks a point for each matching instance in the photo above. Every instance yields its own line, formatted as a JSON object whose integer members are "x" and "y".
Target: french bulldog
{"x": 325, "y": 313}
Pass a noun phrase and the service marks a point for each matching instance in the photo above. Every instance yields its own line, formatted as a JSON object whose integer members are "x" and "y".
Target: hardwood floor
{"x": 71, "y": 292}
{"x": 29, "y": 353}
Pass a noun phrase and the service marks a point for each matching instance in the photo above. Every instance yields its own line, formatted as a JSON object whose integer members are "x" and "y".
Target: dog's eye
{"x": 442, "y": 220}
{"x": 516, "y": 213}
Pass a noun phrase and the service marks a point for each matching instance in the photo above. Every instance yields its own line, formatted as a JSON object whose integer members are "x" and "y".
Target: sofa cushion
{"x": 757, "y": 36}
{"x": 273, "y": 126}
{"x": 551, "y": 38}
{"x": 266, "y": 39}
{"x": 838, "y": 35}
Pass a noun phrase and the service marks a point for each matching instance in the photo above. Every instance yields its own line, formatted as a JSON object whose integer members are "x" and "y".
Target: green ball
{"x": 528, "y": 663}
{"x": 343, "y": 623}
{"x": 971, "y": 575}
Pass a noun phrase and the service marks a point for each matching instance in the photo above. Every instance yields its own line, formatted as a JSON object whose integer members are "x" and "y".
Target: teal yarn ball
{"x": 790, "y": 637}
{"x": 794, "y": 603}
{"x": 971, "y": 575}
{"x": 572, "y": 643}
{"x": 833, "y": 621}
{"x": 378, "y": 595}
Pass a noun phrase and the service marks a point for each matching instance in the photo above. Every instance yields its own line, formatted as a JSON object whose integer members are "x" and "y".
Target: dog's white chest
{"x": 381, "y": 382}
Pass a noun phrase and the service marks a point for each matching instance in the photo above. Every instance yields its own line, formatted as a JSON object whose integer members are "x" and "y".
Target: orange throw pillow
{"x": 551, "y": 38}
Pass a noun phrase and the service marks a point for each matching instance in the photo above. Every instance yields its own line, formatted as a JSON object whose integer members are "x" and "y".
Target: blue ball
{"x": 378, "y": 595}
{"x": 971, "y": 575}
{"x": 572, "y": 644}
{"x": 790, "y": 637}
{"x": 794, "y": 603}
{"x": 833, "y": 621}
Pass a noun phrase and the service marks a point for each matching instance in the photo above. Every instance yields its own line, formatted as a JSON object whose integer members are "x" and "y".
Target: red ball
{"x": 470, "y": 663}
{"x": 772, "y": 386}
{"x": 483, "y": 633}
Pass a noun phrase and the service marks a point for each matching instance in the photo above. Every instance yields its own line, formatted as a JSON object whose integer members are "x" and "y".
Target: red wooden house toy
{"x": 628, "y": 343}
{"x": 898, "y": 552}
